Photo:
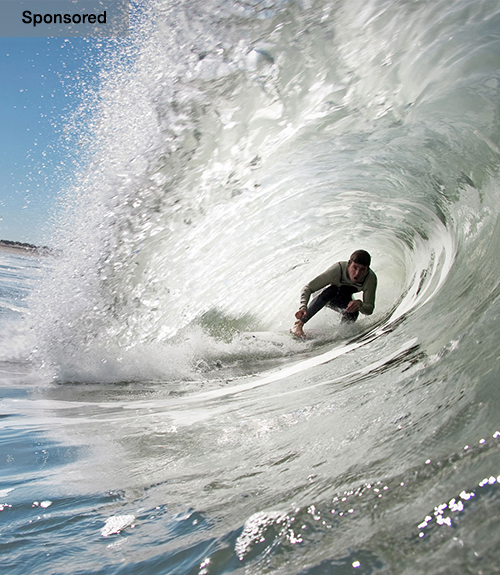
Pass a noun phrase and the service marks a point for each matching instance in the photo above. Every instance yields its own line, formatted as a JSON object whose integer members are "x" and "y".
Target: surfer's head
{"x": 361, "y": 257}
{"x": 358, "y": 265}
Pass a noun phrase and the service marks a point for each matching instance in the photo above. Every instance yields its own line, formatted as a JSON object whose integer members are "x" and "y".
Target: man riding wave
{"x": 343, "y": 280}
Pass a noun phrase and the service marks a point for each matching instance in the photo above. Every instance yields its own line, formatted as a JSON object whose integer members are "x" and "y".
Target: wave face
{"x": 241, "y": 150}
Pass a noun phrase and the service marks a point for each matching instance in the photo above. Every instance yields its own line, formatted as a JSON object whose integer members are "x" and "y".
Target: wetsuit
{"x": 339, "y": 292}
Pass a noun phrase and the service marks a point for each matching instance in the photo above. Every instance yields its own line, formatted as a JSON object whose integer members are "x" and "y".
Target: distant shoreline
{"x": 18, "y": 248}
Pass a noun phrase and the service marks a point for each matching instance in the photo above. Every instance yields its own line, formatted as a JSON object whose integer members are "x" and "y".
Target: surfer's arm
{"x": 331, "y": 276}
{"x": 368, "y": 304}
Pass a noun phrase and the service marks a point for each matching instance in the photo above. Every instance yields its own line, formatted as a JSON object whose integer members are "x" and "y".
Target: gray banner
{"x": 64, "y": 18}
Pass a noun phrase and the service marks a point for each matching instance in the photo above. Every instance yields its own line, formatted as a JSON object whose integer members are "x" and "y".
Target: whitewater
{"x": 156, "y": 415}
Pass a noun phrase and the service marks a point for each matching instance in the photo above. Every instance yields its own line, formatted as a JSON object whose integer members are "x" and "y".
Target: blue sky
{"x": 43, "y": 80}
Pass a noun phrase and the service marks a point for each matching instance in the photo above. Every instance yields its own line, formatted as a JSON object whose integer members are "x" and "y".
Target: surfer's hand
{"x": 354, "y": 306}
{"x": 301, "y": 314}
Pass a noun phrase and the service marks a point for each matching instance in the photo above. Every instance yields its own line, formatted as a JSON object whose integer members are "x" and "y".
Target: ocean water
{"x": 155, "y": 415}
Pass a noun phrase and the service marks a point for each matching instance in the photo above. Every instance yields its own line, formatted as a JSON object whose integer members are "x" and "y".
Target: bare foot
{"x": 297, "y": 330}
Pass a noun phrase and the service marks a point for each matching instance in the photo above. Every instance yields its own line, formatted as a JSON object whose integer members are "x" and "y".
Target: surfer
{"x": 343, "y": 280}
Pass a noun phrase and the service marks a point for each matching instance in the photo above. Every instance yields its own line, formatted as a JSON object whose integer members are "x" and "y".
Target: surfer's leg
{"x": 349, "y": 317}
{"x": 326, "y": 297}
{"x": 344, "y": 297}
{"x": 333, "y": 297}
{"x": 297, "y": 330}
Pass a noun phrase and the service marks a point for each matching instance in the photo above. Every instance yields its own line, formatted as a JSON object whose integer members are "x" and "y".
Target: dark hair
{"x": 361, "y": 257}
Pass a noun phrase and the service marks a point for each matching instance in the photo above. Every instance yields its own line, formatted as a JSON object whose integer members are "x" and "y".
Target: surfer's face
{"x": 357, "y": 272}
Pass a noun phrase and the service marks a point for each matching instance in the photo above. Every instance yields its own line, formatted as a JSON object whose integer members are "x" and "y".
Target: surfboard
{"x": 280, "y": 337}
{"x": 269, "y": 336}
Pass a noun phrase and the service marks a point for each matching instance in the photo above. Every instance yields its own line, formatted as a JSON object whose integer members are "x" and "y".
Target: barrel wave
{"x": 235, "y": 151}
